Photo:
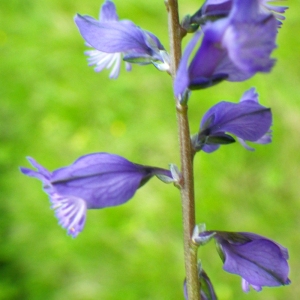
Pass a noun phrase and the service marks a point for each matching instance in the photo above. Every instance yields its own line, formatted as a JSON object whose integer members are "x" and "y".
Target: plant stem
{"x": 186, "y": 156}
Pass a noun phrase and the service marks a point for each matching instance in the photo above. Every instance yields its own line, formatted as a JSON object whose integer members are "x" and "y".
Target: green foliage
{"x": 55, "y": 109}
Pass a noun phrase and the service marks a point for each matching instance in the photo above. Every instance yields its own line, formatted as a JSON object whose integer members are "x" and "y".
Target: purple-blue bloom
{"x": 258, "y": 260}
{"x": 248, "y": 120}
{"x": 113, "y": 39}
{"x": 233, "y": 48}
{"x": 93, "y": 181}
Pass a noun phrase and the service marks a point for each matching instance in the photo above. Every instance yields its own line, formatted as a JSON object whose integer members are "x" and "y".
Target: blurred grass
{"x": 55, "y": 109}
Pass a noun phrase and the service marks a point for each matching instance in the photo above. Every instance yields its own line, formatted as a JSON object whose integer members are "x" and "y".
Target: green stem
{"x": 186, "y": 155}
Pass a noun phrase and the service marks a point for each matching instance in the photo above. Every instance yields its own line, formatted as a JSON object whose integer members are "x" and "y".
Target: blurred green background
{"x": 55, "y": 109}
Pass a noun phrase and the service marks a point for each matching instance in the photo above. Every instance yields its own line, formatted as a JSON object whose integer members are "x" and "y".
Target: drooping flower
{"x": 213, "y": 10}
{"x": 233, "y": 48}
{"x": 113, "y": 39}
{"x": 248, "y": 120}
{"x": 93, "y": 181}
{"x": 258, "y": 260}
{"x": 207, "y": 291}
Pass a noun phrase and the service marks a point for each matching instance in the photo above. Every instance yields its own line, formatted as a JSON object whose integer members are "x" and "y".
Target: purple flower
{"x": 258, "y": 260}
{"x": 233, "y": 48}
{"x": 113, "y": 39}
{"x": 207, "y": 290}
{"x": 248, "y": 120}
{"x": 93, "y": 181}
{"x": 216, "y": 9}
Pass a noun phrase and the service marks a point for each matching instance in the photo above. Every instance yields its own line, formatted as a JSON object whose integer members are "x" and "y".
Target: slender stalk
{"x": 186, "y": 155}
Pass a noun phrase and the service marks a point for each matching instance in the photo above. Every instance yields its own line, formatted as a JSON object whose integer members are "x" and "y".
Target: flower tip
{"x": 77, "y": 17}
{"x": 287, "y": 282}
{"x": 251, "y": 95}
{"x": 31, "y": 160}
{"x": 73, "y": 233}
{"x": 79, "y": 20}
{"x": 25, "y": 171}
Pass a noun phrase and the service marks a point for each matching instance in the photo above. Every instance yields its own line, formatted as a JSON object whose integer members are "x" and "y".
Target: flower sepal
{"x": 138, "y": 58}
{"x": 160, "y": 60}
{"x": 200, "y": 236}
{"x": 199, "y": 83}
{"x": 188, "y": 25}
{"x": 199, "y": 140}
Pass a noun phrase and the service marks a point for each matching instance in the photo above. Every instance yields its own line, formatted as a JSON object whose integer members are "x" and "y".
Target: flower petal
{"x": 251, "y": 52}
{"x": 101, "y": 179}
{"x": 246, "y": 120}
{"x": 259, "y": 262}
{"x": 41, "y": 173}
{"x": 103, "y": 60}
{"x": 71, "y": 213}
{"x": 210, "y": 53}
{"x": 246, "y": 286}
{"x": 210, "y": 148}
{"x": 181, "y": 81}
{"x": 108, "y": 12}
{"x": 250, "y": 94}
{"x": 111, "y": 37}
